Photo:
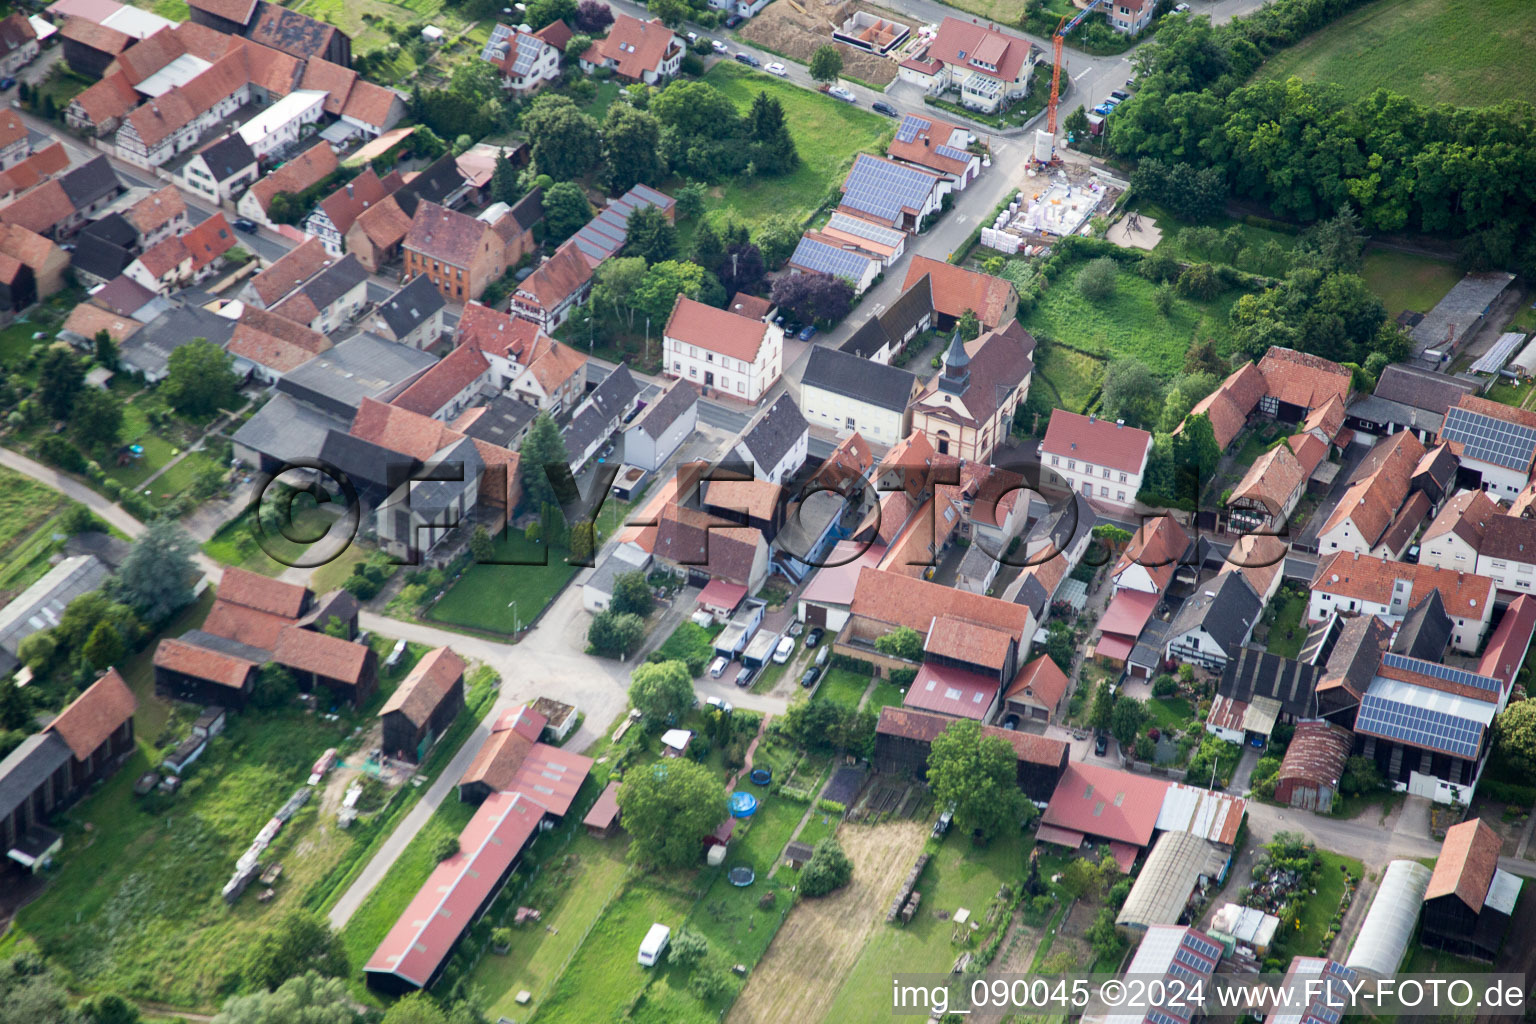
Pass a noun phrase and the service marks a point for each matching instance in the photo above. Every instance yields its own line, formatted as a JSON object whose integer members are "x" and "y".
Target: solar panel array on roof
{"x": 818, "y": 256}
{"x": 910, "y": 126}
{"x": 1447, "y": 672}
{"x": 496, "y": 47}
{"x": 952, "y": 152}
{"x": 528, "y": 48}
{"x": 1511, "y": 445}
{"x": 885, "y": 188}
{"x": 1421, "y": 727}
{"x": 865, "y": 229}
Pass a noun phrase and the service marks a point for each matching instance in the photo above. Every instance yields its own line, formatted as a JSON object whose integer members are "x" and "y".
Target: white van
{"x": 655, "y": 944}
{"x": 786, "y": 648}
{"x": 717, "y": 669}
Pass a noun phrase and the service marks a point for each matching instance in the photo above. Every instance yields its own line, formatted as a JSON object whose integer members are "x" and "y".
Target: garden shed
{"x": 797, "y": 854}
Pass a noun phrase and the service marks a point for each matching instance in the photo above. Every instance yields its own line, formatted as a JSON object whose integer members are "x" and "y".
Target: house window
{"x": 1106, "y": 473}
{"x": 709, "y": 357}
{"x": 1122, "y": 478}
{"x": 740, "y": 388}
{"x": 1088, "y": 468}
{"x": 693, "y": 371}
{"x": 1072, "y": 464}
{"x": 1119, "y": 495}
{"x": 848, "y": 422}
{"x": 1055, "y": 460}
{"x": 1103, "y": 491}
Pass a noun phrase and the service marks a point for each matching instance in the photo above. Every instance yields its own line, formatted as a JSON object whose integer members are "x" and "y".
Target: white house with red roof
{"x": 1100, "y": 459}
{"x": 721, "y": 350}
{"x": 987, "y": 67}
{"x": 1131, "y": 16}
{"x": 637, "y": 51}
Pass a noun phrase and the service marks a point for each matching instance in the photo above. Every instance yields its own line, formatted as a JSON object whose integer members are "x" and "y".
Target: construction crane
{"x": 1060, "y": 37}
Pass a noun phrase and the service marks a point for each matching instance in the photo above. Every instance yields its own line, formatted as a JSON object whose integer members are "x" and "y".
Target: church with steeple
{"x": 966, "y": 409}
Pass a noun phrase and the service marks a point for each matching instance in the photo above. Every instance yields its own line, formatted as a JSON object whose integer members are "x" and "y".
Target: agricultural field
{"x": 25, "y": 505}
{"x": 827, "y": 134}
{"x": 1462, "y": 52}
{"x": 1126, "y": 324}
{"x": 1407, "y": 281}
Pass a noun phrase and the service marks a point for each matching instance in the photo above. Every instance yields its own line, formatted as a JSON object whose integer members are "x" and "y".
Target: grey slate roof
{"x": 286, "y": 429}
{"x": 224, "y": 645}
{"x": 599, "y": 413}
{"x": 1461, "y": 308}
{"x": 113, "y": 228}
{"x": 1256, "y": 673}
{"x": 867, "y": 340}
{"x": 39, "y": 606}
{"x": 1375, "y": 409}
{"x": 434, "y": 183}
{"x": 909, "y": 309}
{"x": 429, "y": 496}
{"x": 775, "y": 432}
{"x": 886, "y": 387}
{"x": 99, "y": 258}
{"x": 529, "y": 210}
{"x": 676, "y": 400}
{"x": 1064, "y": 527}
{"x": 1226, "y": 608}
{"x": 367, "y": 464}
{"x": 502, "y": 421}
{"x": 28, "y": 767}
{"x": 411, "y": 306}
{"x": 334, "y": 281}
{"x": 363, "y": 366}
{"x": 1422, "y": 389}
{"x": 1149, "y": 649}
{"x": 89, "y": 182}
{"x": 1426, "y": 630}
{"x": 228, "y": 156}
{"x": 150, "y": 349}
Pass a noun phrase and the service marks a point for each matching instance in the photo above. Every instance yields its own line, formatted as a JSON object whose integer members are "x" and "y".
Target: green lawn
{"x": 16, "y": 344}
{"x": 1254, "y": 249}
{"x": 537, "y": 955}
{"x": 157, "y": 450}
{"x": 1293, "y": 606}
{"x": 483, "y": 597}
{"x": 1405, "y": 281}
{"x": 1127, "y": 324}
{"x": 1464, "y": 52}
{"x": 1317, "y": 909}
{"x": 236, "y": 542}
{"x": 841, "y": 686}
{"x": 602, "y": 979}
{"x": 135, "y": 905}
{"x": 1070, "y": 379}
{"x": 827, "y": 134}
{"x": 1169, "y": 713}
{"x": 886, "y": 694}
{"x": 958, "y": 875}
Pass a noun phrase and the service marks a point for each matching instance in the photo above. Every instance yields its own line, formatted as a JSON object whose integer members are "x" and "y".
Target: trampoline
{"x": 762, "y": 776}
{"x": 742, "y": 805}
{"x": 742, "y": 877}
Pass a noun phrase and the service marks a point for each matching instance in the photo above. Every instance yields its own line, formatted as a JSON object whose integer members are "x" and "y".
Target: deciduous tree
{"x": 308, "y": 999}
{"x": 300, "y": 942}
{"x": 977, "y": 775}
{"x": 59, "y": 380}
{"x": 564, "y": 139}
{"x": 97, "y": 419}
{"x": 662, "y": 690}
{"x": 828, "y": 869}
{"x": 669, "y": 806}
{"x": 650, "y": 236}
{"x": 566, "y": 211}
{"x": 613, "y": 635}
{"x": 631, "y": 150}
{"x": 826, "y": 63}
{"x": 1132, "y": 392}
{"x": 631, "y": 593}
{"x": 200, "y": 379}
{"x": 156, "y": 577}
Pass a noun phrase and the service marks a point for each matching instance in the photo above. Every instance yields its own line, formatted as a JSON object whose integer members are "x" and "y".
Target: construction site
{"x": 1059, "y": 198}
{"x": 872, "y": 40}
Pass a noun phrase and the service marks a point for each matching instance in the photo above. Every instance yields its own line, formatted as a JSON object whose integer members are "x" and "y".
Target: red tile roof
{"x": 1098, "y": 441}
{"x": 203, "y": 663}
{"x": 41, "y": 209}
{"x": 1466, "y": 596}
{"x": 95, "y": 35}
{"x": 1156, "y": 546}
{"x": 1041, "y": 681}
{"x": 43, "y": 164}
{"x": 1302, "y": 379}
{"x": 92, "y": 718}
{"x": 606, "y": 810}
{"x": 956, "y": 289}
{"x": 491, "y": 330}
{"x": 419, "y": 693}
{"x": 209, "y": 240}
{"x": 345, "y": 204}
{"x": 1230, "y": 405}
{"x": 922, "y": 148}
{"x": 157, "y": 210}
{"x": 371, "y": 104}
{"x": 1316, "y": 755}
{"x": 1107, "y": 803}
{"x": 1271, "y": 480}
{"x": 332, "y": 79}
{"x": 402, "y": 430}
{"x": 247, "y": 625}
{"x": 961, "y": 42}
{"x": 292, "y": 269}
{"x": 1128, "y": 613}
{"x": 308, "y": 168}
{"x": 898, "y": 600}
{"x": 633, "y": 45}
{"x": 557, "y": 278}
{"x": 86, "y": 319}
{"x": 1379, "y": 487}
{"x": 238, "y": 11}
{"x": 952, "y": 691}
{"x": 716, "y": 330}
{"x": 386, "y": 224}
{"x": 108, "y": 99}
{"x": 443, "y": 381}
{"x": 444, "y": 908}
{"x": 1468, "y": 858}
{"x": 970, "y": 642}
{"x": 253, "y": 590}
{"x": 332, "y": 657}
{"x": 923, "y": 726}
{"x": 1511, "y": 639}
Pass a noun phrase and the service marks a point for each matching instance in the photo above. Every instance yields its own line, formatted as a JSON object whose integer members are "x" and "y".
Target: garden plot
{"x": 822, "y": 939}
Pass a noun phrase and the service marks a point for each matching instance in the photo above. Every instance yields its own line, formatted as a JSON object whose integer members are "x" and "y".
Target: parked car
{"x": 718, "y": 45}
{"x": 837, "y": 92}
{"x": 1120, "y": 94}
{"x": 808, "y": 679}
{"x": 882, "y": 107}
{"x": 796, "y": 628}
{"x": 807, "y": 332}
{"x": 775, "y": 68}
{"x": 1103, "y": 109}
{"x": 693, "y": 37}
{"x": 749, "y": 60}
{"x": 786, "y": 648}
{"x": 814, "y": 636}
{"x": 717, "y": 669}
{"x": 1180, "y": 8}
{"x": 821, "y": 657}
{"x": 744, "y": 678}
{"x": 1101, "y": 744}
{"x": 246, "y": 225}
{"x": 735, "y": 20}
{"x": 7, "y": 82}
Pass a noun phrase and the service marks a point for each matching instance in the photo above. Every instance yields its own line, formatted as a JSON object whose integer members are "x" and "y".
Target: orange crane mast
{"x": 1058, "y": 38}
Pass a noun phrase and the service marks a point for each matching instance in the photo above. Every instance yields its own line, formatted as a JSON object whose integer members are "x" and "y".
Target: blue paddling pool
{"x": 742, "y": 805}
{"x": 762, "y": 776}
